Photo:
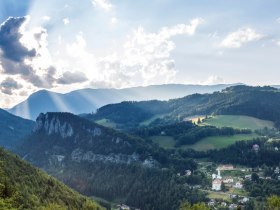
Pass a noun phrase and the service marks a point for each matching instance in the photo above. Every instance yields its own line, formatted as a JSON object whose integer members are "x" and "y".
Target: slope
{"x": 25, "y": 187}
{"x": 102, "y": 162}
{"x": 13, "y": 128}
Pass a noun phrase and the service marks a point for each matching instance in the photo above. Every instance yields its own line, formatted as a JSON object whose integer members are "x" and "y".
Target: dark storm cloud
{"x": 10, "y": 37}
{"x": 13, "y": 54}
{"x": 72, "y": 77}
{"x": 9, "y": 85}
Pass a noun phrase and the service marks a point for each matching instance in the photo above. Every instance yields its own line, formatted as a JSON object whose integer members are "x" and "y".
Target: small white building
{"x": 248, "y": 177}
{"x": 238, "y": 185}
{"x": 228, "y": 180}
{"x": 216, "y": 184}
{"x": 256, "y": 147}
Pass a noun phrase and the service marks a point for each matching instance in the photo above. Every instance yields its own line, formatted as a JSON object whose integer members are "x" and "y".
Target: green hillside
{"x": 219, "y": 142}
{"x": 25, "y": 187}
{"x": 238, "y": 121}
{"x": 259, "y": 102}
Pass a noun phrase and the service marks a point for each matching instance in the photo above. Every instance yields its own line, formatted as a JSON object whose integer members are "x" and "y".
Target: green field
{"x": 215, "y": 142}
{"x": 166, "y": 142}
{"x": 106, "y": 123}
{"x": 218, "y": 142}
{"x": 238, "y": 121}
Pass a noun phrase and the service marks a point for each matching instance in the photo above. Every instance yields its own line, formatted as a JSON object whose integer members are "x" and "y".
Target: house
{"x": 238, "y": 185}
{"x": 233, "y": 206}
{"x": 232, "y": 196}
{"x": 216, "y": 184}
{"x": 228, "y": 180}
{"x": 227, "y": 167}
{"x": 188, "y": 172}
{"x": 212, "y": 202}
{"x": 256, "y": 147}
{"x": 248, "y": 177}
{"x": 244, "y": 200}
{"x": 123, "y": 207}
{"x": 224, "y": 204}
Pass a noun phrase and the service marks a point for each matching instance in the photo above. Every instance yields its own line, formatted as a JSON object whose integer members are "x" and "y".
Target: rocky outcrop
{"x": 53, "y": 125}
{"x": 79, "y": 155}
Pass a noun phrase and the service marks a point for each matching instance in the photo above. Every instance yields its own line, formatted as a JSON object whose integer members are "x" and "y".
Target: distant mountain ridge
{"x": 259, "y": 102}
{"x": 88, "y": 100}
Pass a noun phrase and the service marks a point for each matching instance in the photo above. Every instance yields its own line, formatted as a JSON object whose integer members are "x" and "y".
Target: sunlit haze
{"x": 66, "y": 45}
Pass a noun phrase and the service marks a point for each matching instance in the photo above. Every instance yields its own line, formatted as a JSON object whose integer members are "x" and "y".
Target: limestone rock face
{"x": 53, "y": 125}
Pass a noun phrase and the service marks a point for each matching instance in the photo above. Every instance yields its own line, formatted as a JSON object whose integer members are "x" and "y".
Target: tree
{"x": 255, "y": 177}
{"x": 273, "y": 202}
{"x": 197, "y": 206}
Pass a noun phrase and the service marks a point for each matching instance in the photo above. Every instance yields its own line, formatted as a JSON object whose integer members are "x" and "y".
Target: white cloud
{"x": 212, "y": 80}
{"x": 144, "y": 58}
{"x": 46, "y": 18}
{"x": 114, "y": 20}
{"x": 278, "y": 20}
{"x": 278, "y": 43}
{"x": 66, "y": 21}
{"x": 103, "y": 4}
{"x": 239, "y": 38}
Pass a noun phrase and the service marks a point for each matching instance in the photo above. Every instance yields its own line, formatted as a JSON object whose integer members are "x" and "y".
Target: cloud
{"x": 10, "y": 35}
{"x": 212, "y": 80}
{"x": 46, "y": 18}
{"x": 103, "y": 4}
{"x": 72, "y": 77}
{"x": 25, "y": 53}
{"x": 239, "y": 38}
{"x": 278, "y": 20}
{"x": 66, "y": 21}
{"x": 145, "y": 58}
{"x": 8, "y": 85}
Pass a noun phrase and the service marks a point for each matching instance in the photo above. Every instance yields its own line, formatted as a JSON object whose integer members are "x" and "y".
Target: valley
{"x": 137, "y": 156}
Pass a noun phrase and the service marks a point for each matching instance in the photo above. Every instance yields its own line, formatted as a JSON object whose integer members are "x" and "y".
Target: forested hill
{"x": 25, "y": 187}
{"x": 260, "y": 102}
{"x": 13, "y": 129}
{"x": 83, "y": 154}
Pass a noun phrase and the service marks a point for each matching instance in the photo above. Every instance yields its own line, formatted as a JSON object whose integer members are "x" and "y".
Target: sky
{"x": 63, "y": 45}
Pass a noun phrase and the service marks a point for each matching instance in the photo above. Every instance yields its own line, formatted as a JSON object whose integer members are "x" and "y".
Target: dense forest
{"x": 185, "y": 133}
{"x": 241, "y": 153}
{"x": 131, "y": 169}
{"x": 25, "y": 187}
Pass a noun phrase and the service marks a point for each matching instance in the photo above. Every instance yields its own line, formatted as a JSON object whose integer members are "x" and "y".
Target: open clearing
{"x": 238, "y": 121}
{"x": 215, "y": 142}
{"x": 166, "y": 142}
{"x": 219, "y": 142}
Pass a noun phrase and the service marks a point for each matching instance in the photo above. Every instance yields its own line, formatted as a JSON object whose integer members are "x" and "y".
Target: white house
{"x": 216, "y": 184}
{"x": 228, "y": 180}
{"x": 238, "y": 185}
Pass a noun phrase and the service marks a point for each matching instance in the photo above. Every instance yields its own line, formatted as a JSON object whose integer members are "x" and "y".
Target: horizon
{"x": 70, "y": 91}
{"x": 63, "y": 46}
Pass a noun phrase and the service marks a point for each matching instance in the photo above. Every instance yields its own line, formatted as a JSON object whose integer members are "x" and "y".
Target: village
{"x": 225, "y": 186}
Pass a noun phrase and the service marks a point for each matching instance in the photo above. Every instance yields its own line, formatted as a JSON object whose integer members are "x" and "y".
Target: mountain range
{"x": 259, "y": 102}
{"x": 88, "y": 100}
